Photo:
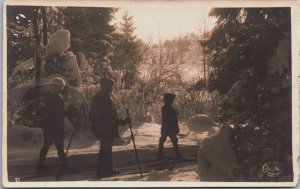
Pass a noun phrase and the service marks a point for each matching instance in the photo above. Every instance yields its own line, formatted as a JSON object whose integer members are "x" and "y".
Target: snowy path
{"x": 85, "y": 160}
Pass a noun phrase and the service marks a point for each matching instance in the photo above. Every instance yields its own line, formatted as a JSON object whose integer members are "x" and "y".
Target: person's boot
{"x": 161, "y": 155}
{"x": 41, "y": 167}
{"x": 99, "y": 173}
{"x": 106, "y": 173}
{"x": 179, "y": 157}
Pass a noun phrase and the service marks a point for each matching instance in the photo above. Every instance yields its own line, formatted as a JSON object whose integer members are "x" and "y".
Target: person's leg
{"x": 162, "y": 140}
{"x": 108, "y": 156}
{"x": 99, "y": 160}
{"x": 59, "y": 144}
{"x": 105, "y": 166}
{"x": 43, "y": 153}
{"x": 174, "y": 140}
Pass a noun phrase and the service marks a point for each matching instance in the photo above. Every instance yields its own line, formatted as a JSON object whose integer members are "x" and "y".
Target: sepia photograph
{"x": 150, "y": 93}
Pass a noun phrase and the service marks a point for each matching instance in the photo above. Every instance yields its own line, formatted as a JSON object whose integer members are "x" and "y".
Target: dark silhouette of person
{"x": 169, "y": 127}
{"x": 53, "y": 124}
{"x": 105, "y": 124}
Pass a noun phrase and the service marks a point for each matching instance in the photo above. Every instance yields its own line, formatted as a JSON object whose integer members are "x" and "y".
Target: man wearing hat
{"x": 53, "y": 124}
{"x": 105, "y": 123}
{"x": 169, "y": 126}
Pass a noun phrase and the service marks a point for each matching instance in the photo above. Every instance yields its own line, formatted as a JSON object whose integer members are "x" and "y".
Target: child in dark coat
{"x": 169, "y": 126}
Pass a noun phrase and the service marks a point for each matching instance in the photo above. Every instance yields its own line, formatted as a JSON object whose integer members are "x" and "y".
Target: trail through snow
{"x": 84, "y": 160}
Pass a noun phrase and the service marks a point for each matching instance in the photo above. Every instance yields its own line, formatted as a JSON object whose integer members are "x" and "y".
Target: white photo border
{"x": 295, "y": 24}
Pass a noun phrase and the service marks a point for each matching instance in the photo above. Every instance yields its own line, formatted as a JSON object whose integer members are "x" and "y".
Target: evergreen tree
{"x": 251, "y": 60}
{"x": 127, "y": 28}
{"x": 91, "y": 34}
{"x": 127, "y": 52}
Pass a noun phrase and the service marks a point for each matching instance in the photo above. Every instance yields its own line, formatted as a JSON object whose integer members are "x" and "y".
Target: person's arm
{"x": 164, "y": 121}
{"x": 176, "y": 118}
{"x": 176, "y": 122}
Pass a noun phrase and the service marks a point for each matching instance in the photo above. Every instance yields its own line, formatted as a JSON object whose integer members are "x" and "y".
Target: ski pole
{"x": 73, "y": 132}
{"x": 136, "y": 154}
{"x": 60, "y": 173}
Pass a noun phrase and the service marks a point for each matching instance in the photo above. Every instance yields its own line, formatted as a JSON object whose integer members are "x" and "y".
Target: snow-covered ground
{"x": 84, "y": 160}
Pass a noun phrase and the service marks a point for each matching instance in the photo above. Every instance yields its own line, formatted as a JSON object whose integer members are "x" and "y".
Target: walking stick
{"x": 73, "y": 132}
{"x": 136, "y": 154}
{"x": 60, "y": 173}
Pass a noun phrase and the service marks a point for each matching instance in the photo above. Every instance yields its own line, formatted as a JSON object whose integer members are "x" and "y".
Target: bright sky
{"x": 166, "y": 20}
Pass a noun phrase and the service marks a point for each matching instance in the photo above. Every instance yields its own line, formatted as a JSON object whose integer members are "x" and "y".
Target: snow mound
{"x": 23, "y": 66}
{"x": 23, "y": 137}
{"x": 200, "y": 123}
{"x": 59, "y": 42}
{"x": 216, "y": 158}
{"x": 26, "y": 142}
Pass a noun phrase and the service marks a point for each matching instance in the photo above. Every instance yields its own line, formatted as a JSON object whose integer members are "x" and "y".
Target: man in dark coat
{"x": 53, "y": 124}
{"x": 169, "y": 126}
{"x": 105, "y": 123}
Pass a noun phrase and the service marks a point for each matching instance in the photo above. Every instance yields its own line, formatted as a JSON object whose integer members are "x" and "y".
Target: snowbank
{"x": 200, "y": 123}
{"x": 24, "y": 137}
{"x": 23, "y": 66}
{"x": 216, "y": 158}
{"x": 26, "y": 142}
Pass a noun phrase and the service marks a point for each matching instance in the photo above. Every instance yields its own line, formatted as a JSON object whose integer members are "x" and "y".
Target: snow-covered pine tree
{"x": 251, "y": 68}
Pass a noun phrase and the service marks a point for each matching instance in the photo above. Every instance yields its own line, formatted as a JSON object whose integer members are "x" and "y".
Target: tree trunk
{"x": 37, "y": 47}
{"x": 204, "y": 65}
{"x": 45, "y": 27}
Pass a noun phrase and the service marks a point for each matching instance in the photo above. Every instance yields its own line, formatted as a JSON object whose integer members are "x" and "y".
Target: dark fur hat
{"x": 169, "y": 96}
{"x": 106, "y": 81}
